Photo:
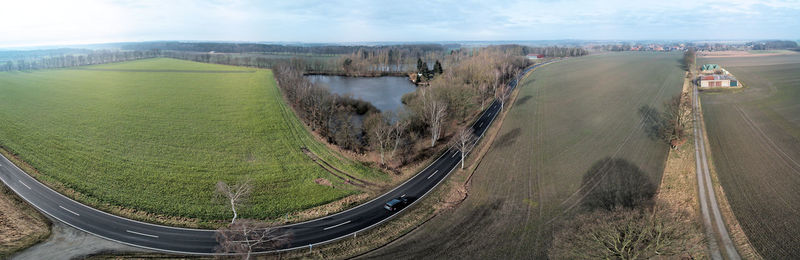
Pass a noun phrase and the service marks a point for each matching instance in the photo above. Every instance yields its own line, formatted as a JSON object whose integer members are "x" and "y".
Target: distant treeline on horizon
{"x": 381, "y": 59}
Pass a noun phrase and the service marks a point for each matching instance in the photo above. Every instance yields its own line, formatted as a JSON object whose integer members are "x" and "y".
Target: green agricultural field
{"x": 755, "y": 146}
{"x": 568, "y": 118}
{"x": 157, "y": 134}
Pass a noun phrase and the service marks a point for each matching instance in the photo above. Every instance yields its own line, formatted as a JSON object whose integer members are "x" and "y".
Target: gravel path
{"x": 712, "y": 218}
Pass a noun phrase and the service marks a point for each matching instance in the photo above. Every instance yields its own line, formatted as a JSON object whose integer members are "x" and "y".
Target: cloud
{"x": 45, "y": 22}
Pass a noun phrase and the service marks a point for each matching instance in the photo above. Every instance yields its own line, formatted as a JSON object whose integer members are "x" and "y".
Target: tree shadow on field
{"x": 652, "y": 121}
{"x": 523, "y": 100}
{"x": 508, "y": 138}
{"x": 614, "y": 182}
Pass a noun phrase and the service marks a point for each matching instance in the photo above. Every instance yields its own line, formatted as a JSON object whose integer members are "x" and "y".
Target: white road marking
{"x": 141, "y": 234}
{"x": 481, "y": 125}
{"x": 26, "y": 185}
{"x": 337, "y": 225}
{"x": 70, "y": 211}
{"x": 434, "y": 173}
{"x": 454, "y": 155}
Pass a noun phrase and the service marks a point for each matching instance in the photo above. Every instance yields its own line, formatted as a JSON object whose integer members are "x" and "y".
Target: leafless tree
{"x": 380, "y": 132}
{"x": 464, "y": 142}
{"x": 660, "y": 233}
{"x": 398, "y": 131}
{"x": 435, "y": 113}
{"x": 247, "y": 236}
{"x": 676, "y": 116}
{"x": 235, "y": 194}
{"x": 502, "y": 95}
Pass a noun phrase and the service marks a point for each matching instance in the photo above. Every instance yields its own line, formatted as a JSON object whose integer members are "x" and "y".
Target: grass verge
{"x": 21, "y": 226}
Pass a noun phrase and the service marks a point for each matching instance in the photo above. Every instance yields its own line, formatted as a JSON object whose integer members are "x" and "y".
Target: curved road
{"x": 203, "y": 242}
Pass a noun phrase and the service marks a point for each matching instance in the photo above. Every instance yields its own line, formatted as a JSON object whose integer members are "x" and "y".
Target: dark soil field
{"x": 574, "y": 130}
{"x": 755, "y": 146}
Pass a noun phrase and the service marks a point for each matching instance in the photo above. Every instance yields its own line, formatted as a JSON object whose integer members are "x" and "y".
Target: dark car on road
{"x": 396, "y": 204}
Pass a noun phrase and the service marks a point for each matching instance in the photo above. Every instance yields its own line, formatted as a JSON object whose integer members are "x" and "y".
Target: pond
{"x": 385, "y": 93}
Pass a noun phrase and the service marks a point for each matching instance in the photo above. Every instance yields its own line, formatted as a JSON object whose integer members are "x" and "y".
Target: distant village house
{"x": 535, "y": 56}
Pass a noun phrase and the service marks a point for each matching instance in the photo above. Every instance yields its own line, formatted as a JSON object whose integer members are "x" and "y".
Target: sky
{"x": 35, "y": 22}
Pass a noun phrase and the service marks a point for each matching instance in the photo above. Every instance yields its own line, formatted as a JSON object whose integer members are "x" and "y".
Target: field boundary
{"x": 737, "y": 234}
{"x": 167, "y": 71}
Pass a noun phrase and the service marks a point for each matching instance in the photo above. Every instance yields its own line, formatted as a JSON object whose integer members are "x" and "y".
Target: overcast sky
{"x": 33, "y": 22}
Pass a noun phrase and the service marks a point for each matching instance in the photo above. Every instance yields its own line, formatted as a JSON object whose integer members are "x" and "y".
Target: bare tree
{"x": 517, "y": 73}
{"x": 235, "y": 194}
{"x": 502, "y": 95}
{"x": 435, "y": 113}
{"x": 380, "y": 132}
{"x": 398, "y": 132}
{"x": 676, "y": 116}
{"x": 247, "y": 236}
{"x": 464, "y": 142}
{"x": 621, "y": 233}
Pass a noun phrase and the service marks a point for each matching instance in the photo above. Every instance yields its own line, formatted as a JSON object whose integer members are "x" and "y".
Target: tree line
{"x": 772, "y": 45}
{"x": 549, "y": 51}
{"x": 221, "y": 47}
{"x": 74, "y": 60}
{"x": 391, "y": 59}
{"x": 689, "y": 59}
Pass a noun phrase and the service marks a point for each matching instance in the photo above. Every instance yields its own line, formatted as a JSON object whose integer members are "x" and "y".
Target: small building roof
{"x": 717, "y": 77}
{"x": 710, "y": 67}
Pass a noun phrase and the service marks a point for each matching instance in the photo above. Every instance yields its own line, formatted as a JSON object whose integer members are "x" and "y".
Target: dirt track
{"x": 712, "y": 218}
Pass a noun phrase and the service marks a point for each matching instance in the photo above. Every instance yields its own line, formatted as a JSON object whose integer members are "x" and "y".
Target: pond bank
{"x": 385, "y": 92}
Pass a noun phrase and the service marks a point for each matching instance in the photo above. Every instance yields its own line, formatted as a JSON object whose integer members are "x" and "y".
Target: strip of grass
{"x": 158, "y": 141}
{"x": 21, "y": 226}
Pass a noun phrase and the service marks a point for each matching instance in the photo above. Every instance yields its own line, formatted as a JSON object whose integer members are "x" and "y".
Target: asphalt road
{"x": 712, "y": 218}
{"x": 198, "y": 241}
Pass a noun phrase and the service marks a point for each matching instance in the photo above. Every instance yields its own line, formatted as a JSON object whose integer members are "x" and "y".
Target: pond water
{"x": 385, "y": 93}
